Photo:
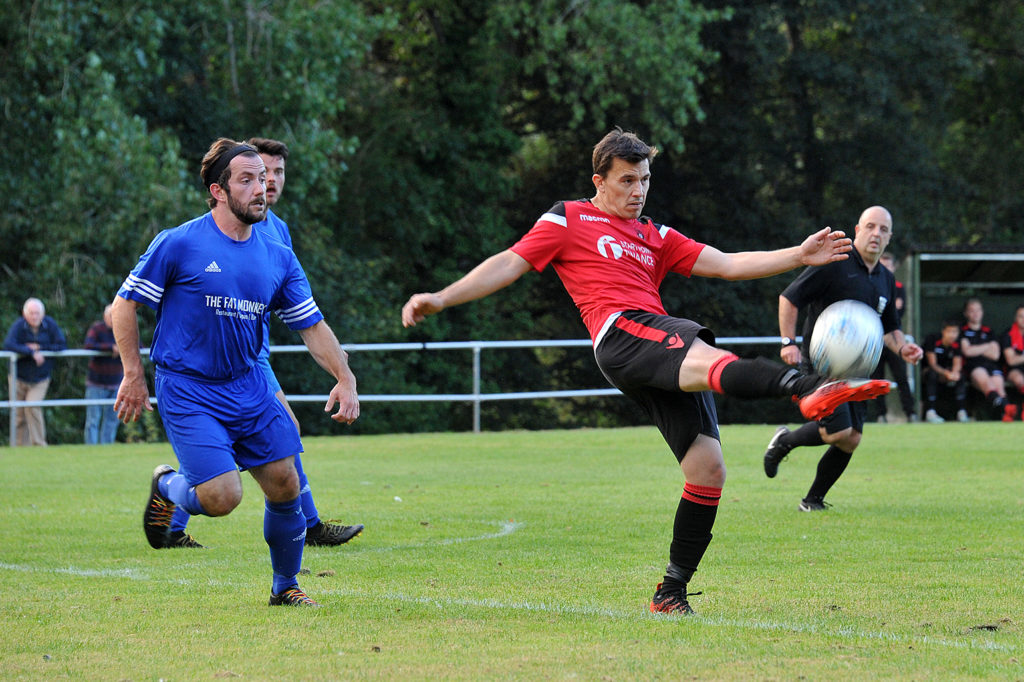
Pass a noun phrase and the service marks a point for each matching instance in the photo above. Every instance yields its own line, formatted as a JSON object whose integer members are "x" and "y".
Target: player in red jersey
{"x": 1012, "y": 343}
{"x": 612, "y": 261}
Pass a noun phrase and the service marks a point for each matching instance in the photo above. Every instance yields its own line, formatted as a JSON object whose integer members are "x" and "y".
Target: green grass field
{"x": 531, "y": 555}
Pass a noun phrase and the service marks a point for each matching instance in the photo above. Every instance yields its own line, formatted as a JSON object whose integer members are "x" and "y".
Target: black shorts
{"x": 990, "y": 366}
{"x": 846, "y": 415}
{"x": 640, "y": 354}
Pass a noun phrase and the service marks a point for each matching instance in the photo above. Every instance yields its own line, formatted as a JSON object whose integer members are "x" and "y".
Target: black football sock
{"x": 996, "y": 399}
{"x": 830, "y": 468}
{"x": 808, "y": 434}
{"x": 759, "y": 378}
{"x": 691, "y": 533}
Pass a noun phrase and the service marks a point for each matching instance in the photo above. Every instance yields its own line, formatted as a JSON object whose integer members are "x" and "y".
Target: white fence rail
{"x": 476, "y": 397}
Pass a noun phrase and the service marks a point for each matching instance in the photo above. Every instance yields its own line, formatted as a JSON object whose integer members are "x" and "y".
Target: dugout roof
{"x": 941, "y": 278}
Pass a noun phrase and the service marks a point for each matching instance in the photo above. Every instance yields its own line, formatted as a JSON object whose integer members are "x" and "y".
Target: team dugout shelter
{"x": 939, "y": 279}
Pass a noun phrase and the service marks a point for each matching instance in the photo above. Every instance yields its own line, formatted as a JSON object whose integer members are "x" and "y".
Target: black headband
{"x": 213, "y": 175}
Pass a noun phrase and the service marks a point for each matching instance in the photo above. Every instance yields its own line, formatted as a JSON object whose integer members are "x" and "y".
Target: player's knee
{"x": 221, "y": 502}
{"x": 280, "y": 483}
{"x": 220, "y": 495}
{"x": 849, "y": 441}
{"x": 712, "y": 474}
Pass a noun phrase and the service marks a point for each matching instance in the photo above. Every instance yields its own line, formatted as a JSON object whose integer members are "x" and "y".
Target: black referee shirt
{"x": 819, "y": 286}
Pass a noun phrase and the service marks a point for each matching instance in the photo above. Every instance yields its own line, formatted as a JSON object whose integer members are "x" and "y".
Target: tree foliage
{"x": 428, "y": 134}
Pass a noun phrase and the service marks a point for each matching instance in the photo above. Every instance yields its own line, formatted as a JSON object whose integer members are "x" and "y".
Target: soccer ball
{"x": 847, "y": 340}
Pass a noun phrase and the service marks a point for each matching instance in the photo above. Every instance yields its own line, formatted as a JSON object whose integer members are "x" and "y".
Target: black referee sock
{"x": 808, "y": 434}
{"x": 830, "y": 468}
{"x": 759, "y": 378}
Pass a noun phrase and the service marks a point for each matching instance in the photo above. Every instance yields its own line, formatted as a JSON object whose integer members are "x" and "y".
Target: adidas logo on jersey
{"x": 213, "y": 267}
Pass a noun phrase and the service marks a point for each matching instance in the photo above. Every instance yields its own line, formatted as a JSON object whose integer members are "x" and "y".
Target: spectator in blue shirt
{"x": 29, "y": 336}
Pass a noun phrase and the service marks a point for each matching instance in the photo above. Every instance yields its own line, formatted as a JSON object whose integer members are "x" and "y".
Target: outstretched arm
{"x": 495, "y": 273}
{"x": 824, "y": 246}
{"x": 324, "y": 347}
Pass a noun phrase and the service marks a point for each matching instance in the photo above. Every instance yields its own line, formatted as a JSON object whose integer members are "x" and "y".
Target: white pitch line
{"x": 507, "y": 528}
{"x": 541, "y": 607}
{"x": 857, "y": 634}
{"x": 80, "y": 572}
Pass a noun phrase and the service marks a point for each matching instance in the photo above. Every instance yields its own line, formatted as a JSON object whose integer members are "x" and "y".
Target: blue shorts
{"x": 217, "y": 427}
{"x": 264, "y": 363}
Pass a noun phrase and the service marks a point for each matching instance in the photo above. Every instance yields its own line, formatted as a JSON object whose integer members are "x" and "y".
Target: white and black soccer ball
{"x": 847, "y": 340}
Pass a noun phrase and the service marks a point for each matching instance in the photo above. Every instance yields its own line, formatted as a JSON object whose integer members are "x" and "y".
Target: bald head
{"x": 872, "y": 234}
{"x": 876, "y": 213}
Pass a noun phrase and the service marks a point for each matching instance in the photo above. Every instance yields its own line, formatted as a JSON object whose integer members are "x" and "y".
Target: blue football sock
{"x": 179, "y": 519}
{"x": 306, "y": 495}
{"x": 284, "y": 528}
{"x": 175, "y": 488}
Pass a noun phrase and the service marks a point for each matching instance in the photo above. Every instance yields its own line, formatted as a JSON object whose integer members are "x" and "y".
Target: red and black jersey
{"x": 1013, "y": 338}
{"x": 607, "y": 264}
{"x": 976, "y": 337}
{"x": 944, "y": 355}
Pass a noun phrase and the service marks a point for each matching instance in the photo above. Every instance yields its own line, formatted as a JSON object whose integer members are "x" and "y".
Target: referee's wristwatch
{"x": 786, "y": 341}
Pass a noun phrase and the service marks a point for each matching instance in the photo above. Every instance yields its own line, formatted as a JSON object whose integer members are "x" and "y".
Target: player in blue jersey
{"x": 318, "y": 532}
{"x": 212, "y": 281}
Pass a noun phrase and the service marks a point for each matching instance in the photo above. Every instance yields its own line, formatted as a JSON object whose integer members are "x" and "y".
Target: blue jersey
{"x": 212, "y": 296}
{"x": 278, "y": 229}
{"x": 275, "y": 227}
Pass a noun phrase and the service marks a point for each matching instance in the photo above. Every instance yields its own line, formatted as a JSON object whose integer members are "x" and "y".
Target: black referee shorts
{"x": 640, "y": 354}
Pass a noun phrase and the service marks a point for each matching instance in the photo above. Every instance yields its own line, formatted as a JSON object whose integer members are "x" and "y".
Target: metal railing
{"x": 476, "y": 397}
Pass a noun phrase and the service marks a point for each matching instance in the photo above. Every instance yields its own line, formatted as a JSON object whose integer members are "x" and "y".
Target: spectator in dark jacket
{"x": 34, "y": 333}
{"x": 102, "y": 381}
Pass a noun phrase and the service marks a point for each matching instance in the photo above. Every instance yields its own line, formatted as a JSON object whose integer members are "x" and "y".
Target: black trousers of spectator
{"x": 934, "y": 389}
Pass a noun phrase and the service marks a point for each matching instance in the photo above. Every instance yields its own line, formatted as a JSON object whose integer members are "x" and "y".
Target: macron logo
{"x": 594, "y": 219}
{"x": 213, "y": 267}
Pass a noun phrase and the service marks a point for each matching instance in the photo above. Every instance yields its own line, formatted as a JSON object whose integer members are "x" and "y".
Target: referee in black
{"x": 861, "y": 278}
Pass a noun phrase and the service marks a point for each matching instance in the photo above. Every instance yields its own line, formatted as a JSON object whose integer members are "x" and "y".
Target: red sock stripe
{"x": 641, "y": 331}
{"x": 715, "y": 373}
{"x": 702, "y": 494}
